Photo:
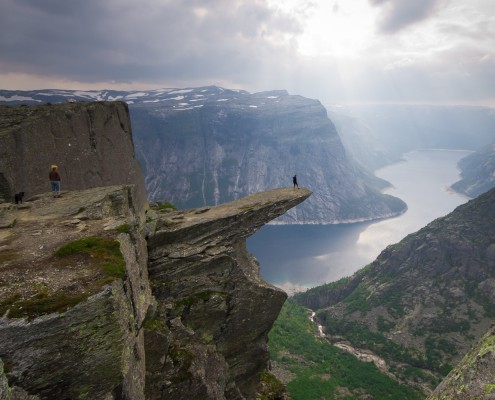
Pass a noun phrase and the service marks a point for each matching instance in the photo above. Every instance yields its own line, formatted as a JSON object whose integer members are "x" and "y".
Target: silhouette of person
{"x": 294, "y": 181}
{"x": 54, "y": 177}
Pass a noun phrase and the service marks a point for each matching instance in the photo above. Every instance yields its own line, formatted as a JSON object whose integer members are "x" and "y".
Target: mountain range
{"x": 204, "y": 146}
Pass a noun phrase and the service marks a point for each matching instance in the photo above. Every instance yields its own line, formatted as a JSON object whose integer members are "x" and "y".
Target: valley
{"x": 407, "y": 317}
{"x": 299, "y": 257}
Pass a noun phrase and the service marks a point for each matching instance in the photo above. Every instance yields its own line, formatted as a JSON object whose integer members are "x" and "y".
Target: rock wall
{"x": 71, "y": 326}
{"x": 93, "y": 323}
{"x": 90, "y": 142}
{"x": 214, "y": 311}
{"x": 189, "y": 321}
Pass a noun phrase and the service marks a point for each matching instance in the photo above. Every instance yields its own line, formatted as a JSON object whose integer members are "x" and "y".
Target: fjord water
{"x": 295, "y": 257}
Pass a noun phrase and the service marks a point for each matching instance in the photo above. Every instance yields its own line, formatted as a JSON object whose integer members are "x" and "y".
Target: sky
{"x": 337, "y": 51}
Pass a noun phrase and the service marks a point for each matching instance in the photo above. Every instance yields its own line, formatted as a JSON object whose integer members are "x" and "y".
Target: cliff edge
{"x": 473, "y": 378}
{"x": 208, "y": 288}
{"x": 97, "y": 304}
{"x": 102, "y": 297}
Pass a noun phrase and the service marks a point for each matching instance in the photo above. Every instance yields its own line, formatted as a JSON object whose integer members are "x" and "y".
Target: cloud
{"x": 149, "y": 40}
{"x": 324, "y": 49}
{"x": 399, "y": 14}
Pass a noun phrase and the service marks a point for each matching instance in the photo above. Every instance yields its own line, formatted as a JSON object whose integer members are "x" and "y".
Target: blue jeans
{"x": 55, "y": 186}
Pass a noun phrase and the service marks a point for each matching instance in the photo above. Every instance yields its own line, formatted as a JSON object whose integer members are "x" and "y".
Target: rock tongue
{"x": 213, "y": 296}
{"x": 190, "y": 232}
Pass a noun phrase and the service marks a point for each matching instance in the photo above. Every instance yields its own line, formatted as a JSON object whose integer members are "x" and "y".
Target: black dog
{"x": 18, "y": 197}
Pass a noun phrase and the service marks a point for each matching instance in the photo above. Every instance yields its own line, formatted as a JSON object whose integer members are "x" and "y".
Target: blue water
{"x": 296, "y": 257}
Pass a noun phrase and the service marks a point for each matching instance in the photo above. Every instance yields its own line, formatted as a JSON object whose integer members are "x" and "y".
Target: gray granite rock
{"x": 212, "y": 303}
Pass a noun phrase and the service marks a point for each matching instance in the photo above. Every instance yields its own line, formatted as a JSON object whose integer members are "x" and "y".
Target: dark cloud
{"x": 399, "y": 14}
{"x": 147, "y": 40}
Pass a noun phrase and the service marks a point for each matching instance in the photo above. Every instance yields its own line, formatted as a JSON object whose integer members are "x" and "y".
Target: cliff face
{"x": 87, "y": 322}
{"x": 477, "y": 172}
{"x": 215, "y": 145}
{"x": 90, "y": 142}
{"x": 423, "y": 302}
{"x": 85, "y": 312}
{"x": 217, "y": 309}
{"x": 71, "y": 321}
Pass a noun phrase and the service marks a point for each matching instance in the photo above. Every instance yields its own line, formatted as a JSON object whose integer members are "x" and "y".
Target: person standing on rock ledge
{"x": 294, "y": 181}
{"x": 55, "y": 181}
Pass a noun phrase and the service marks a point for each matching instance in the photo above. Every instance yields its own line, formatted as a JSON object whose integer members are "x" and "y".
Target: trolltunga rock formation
{"x": 188, "y": 321}
{"x": 209, "y": 289}
{"x": 85, "y": 313}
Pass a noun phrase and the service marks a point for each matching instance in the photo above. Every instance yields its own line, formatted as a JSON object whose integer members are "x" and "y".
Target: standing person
{"x": 55, "y": 181}
{"x": 294, "y": 181}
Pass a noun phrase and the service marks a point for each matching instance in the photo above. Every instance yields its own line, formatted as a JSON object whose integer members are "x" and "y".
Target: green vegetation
{"x": 124, "y": 228}
{"x": 42, "y": 303}
{"x": 472, "y": 291}
{"x": 103, "y": 252}
{"x": 360, "y": 336}
{"x": 270, "y": 387}
{"x": 164, "y": 207}
{"x": 357, "y": 300}
{"x": 100, "y": 254}
{"x": 384, "y": 325}
{"x": 489, "y": 388}
{"x": 156, "y": 324}
{"x": 323, "y": 371}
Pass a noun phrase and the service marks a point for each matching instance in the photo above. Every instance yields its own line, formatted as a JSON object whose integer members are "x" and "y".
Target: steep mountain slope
{"x": 205, "y": 146}
{"x": 477, "y": 172}
{"x": 424, "y": 301}
{"x": 473, "y": 378}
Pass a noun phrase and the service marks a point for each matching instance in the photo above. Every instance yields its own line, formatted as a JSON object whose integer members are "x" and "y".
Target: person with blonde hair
{"x": 55, "y": 181}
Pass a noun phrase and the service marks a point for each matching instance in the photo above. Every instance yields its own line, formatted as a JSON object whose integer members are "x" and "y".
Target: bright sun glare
{"x": 337, "y": 28}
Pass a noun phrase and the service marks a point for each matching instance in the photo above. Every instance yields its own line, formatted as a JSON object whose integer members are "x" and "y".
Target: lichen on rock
{"x": 474, "y": 377}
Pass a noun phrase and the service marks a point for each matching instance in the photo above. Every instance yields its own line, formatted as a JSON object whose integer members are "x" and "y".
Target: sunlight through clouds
{"x": 337, "y": 51}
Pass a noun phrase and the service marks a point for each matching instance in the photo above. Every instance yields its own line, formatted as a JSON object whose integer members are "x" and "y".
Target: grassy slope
{"x": 321, "y": 370}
